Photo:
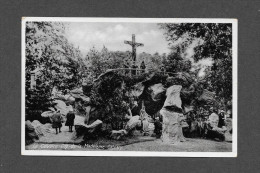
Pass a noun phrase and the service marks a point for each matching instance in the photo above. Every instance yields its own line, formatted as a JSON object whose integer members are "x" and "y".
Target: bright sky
{"x": 112, "y": 35}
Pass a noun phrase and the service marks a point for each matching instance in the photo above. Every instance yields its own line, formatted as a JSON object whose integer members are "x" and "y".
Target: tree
{"x": 100, "y": 61}
{"x": 154, "y": 63}
{"x": 174, "y": 62}
{"x": 56, "y": 61}
{"x": 216, "y": 44}
{"x": 108, "y": 96}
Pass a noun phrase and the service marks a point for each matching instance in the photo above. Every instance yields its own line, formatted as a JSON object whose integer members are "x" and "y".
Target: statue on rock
{"x": 172, "y": 116}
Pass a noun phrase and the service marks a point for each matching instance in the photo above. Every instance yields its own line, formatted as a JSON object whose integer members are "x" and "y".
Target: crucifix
{"x": 134, "y": 46}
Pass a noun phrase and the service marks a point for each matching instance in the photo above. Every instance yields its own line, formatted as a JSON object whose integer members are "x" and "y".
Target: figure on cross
{"x": 134, "y": 46}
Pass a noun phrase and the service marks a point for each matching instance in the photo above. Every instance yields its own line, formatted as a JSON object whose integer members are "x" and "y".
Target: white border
{"x": 135, "y": 153}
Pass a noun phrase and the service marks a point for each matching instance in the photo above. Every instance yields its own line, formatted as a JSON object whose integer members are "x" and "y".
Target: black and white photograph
{"x": 162, "y": 87}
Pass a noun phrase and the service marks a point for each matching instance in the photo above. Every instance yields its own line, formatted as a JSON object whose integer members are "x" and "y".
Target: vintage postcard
{"x": 159, "y": 87}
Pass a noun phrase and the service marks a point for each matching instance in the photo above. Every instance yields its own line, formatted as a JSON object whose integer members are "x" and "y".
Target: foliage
{"x": 55, "y": 61}
{"x": 101, "y": 61}
{"x": 153, "y": 63}
{"x": 216, "y": 44}
{"x": 175, "y": 62}
{"x": 109, "y": 97}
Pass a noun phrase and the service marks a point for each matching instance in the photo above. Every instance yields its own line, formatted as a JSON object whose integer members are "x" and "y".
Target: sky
{"x": 112, "y": 35}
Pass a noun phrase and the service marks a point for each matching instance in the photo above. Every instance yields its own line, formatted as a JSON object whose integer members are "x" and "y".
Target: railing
{"x": 129, "y": 71}
{"x": 132, "y": 72}
{"x": 136, "y": 71}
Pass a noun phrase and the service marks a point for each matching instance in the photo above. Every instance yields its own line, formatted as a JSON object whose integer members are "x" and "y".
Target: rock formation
{"x": 172, "y": 116}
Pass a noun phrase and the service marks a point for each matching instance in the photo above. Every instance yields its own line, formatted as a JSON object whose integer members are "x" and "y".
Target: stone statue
{"x": 172, "y": 116}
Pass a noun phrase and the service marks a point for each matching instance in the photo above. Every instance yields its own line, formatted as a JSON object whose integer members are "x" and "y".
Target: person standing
{"x": 70, "y": 118}
{"x": 56, "y": 121}
{"x": 221, "y": 122}
{"x": 142, "y": 67}
{"x": 157, "y": 127}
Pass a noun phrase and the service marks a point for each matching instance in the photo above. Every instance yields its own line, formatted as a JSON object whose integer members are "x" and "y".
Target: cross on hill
{"x": 134, "y": 46}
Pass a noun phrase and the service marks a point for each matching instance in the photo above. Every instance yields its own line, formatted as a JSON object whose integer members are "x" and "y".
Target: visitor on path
{"x": 157, "y": 127}
{"x": 70, "y": 119}
{"x": 56, "y": 121}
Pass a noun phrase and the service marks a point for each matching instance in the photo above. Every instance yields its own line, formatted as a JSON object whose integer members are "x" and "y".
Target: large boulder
{"x": 30, "y": 134}
{"x": 172, "y": 127}
{"x": 173, "y": 98}
{"x": 61, "y": 105}
{"x": 37, "y": 126}
{"x": 88, "y": 132}
{"x": 132, "y": 123}
{"x": 79, "y": 95}
{"x": 213, "y": 120}
{"x": 137, "y": 89}
{"x": 48, "y": 114}
{"x": 154, "y": 97}
{"x": 188, "y": 108}
{"x": 157, "y": 91}
{"x": 172, "y": 116}
{"x": 207, "y": 97}
{"x": 217, "y": 132}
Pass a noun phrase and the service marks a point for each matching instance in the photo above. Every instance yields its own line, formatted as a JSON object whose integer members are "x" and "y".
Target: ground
{"x": 66, "y": 141}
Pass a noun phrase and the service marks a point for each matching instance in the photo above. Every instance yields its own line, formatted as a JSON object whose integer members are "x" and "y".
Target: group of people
{"x": 57, "y": 119}
{"x": 206, "y": 124}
